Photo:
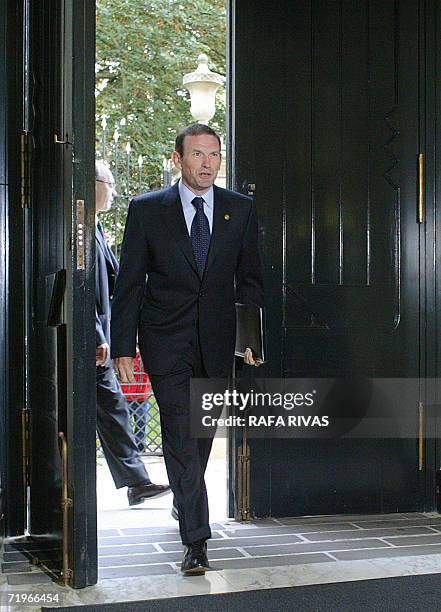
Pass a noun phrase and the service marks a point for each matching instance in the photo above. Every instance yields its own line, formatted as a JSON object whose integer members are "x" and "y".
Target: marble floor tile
{"x": 323, "y": 573}
{"x": 137, "y": 539}
{"x": 416, "y": 522}
{"x": 295, "y": 529}
{"x": 306, "y": 547}
{"x": 108, "y": 573}
{"x": 359, "y": 518}
{"x": 393, "y": 552}
{"x": 132, "y": 589}
{"x": 147, "y": 559}
{"x": 16, "y": 567}
{"x": 127, "y": 549}
{"x": 388, "y": 532}
{"x": 246, "y": 563}
{"x": 29, "y": 578}
{"x": 404, "y": 540}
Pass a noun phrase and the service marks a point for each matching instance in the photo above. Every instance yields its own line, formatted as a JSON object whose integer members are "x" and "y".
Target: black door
{"x": 55, "y": 98}
{"x": 330, "y": 118}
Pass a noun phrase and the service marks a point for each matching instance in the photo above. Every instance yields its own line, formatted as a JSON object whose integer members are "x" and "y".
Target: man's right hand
{"x": 101, "y": 354}
{"x": 124, "y": 367}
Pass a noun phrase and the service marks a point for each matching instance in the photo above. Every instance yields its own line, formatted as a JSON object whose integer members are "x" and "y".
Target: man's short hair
{"x": 195, "y": 129}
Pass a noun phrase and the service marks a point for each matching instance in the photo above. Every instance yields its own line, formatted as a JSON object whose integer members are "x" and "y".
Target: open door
{"x": 56, "y": 281}
{"x": 333, "y": 108}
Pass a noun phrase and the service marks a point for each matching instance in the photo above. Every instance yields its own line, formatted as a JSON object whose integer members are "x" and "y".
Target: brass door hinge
{"x": 420, "y": 436}
{"x": 66, "y": 504}
{"x": 26, "y": 444}
{"x": 26, "y": 147}
{"x": 421, "y": 207}
{"x": 243, "y": 481}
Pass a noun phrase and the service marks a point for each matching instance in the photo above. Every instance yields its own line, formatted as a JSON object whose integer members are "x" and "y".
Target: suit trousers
{"x": 115, "y": 431}
{"x": 185, "y": 457}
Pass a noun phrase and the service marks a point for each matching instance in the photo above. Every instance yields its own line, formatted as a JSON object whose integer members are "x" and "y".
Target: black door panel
{"x": 334, "y": 141}
{"x": 56, "y": 284}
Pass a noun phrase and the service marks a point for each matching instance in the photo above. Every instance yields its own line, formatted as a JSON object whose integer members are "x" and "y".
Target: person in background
{"x": 113, "y": 419}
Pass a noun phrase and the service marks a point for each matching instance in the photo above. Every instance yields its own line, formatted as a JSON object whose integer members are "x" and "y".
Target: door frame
{"x": 79, "y": 118}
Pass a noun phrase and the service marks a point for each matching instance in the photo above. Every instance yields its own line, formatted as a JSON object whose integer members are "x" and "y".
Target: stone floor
{"x": 271, "y": 543}
{"x": 140, "y": 551}
{"x": 142, "y": 563}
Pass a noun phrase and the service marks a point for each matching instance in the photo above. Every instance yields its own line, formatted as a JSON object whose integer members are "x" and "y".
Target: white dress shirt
{"x": 187, "y": 196}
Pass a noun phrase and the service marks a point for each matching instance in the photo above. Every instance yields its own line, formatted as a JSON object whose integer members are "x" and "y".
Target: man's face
{"x": 199, "y": 163}
{"x": 104, "y": 190}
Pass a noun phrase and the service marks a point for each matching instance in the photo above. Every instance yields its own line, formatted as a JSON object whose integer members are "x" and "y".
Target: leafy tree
{"x": 143, "y": 49}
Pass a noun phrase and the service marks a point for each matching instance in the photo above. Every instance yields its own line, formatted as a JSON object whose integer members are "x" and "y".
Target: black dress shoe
{"x": 136, "y": 495}
{"x": 195, "y": 561}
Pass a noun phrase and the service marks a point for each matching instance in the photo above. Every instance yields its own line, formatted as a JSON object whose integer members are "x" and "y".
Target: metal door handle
{"x": 59, "y": 141}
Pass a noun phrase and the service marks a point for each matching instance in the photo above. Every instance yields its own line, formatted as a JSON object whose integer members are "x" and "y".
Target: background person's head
{"x": 104, "y": 187}
{"x": 197, "y": 154}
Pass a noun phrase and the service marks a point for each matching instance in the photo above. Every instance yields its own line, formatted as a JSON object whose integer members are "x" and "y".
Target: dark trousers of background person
{"x": 115, "y": 432}
{"x": 185, "y": 457}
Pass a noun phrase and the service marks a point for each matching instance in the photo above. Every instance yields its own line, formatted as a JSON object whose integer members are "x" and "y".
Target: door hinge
{"x": 66, "y": 505}
{"x": 420, "y": 436}
{"x": 421, "y": 207}
{"x": 26, "y": 147}
{"x": 26, "y": 443}
{"x": 243, "y": 481}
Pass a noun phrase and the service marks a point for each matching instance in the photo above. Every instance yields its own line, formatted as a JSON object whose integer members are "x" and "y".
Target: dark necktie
{"x": 200, "y": 235}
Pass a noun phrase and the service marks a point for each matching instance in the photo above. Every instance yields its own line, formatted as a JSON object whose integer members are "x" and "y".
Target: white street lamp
{"x": 203, "y": 85}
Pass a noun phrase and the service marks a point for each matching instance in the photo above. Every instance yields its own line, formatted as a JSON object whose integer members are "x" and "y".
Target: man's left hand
{"x": 249, "y": 358}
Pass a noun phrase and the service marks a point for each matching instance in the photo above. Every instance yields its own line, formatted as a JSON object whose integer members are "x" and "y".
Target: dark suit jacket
{"x": 105, "y": 273}
{"x": 165, "y": 310}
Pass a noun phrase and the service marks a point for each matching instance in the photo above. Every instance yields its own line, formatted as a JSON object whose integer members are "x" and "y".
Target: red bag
{"x": 140, "y": 390}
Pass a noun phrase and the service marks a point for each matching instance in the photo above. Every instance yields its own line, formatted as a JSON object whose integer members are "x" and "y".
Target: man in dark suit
{"x": 197, "y": 245}
{"x": 113, "y": 419}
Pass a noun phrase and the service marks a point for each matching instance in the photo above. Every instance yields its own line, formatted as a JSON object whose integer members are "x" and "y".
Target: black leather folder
{"x": 250, "y": 331}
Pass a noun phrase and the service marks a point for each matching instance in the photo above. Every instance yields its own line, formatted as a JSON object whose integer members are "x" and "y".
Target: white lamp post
{"x": 203, "y": 85}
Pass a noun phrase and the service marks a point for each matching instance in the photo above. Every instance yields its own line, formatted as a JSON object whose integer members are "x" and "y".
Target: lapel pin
{"x": 227, "y": 217}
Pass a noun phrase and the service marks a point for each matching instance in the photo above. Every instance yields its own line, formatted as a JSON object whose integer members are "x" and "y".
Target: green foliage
{"x": 143, "y": 49}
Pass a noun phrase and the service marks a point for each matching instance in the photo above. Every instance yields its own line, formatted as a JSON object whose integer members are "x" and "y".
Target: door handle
{"x": 66, "y": 141}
